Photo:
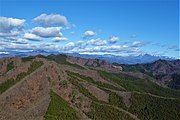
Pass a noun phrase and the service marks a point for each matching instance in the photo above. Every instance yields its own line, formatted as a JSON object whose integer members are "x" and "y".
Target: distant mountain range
{"x": 146, "y": 58}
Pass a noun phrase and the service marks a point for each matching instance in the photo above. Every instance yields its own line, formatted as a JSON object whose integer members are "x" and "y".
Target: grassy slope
{"x": 83, "y": 90}
{"x": 134, "y": 84}
{"x": 143, "y": 105}
{"x": 90, "y": 80}
{"x": 105, "y": 112}
{"x": 147, "y": 107}
{"x": 59, "y": 109}
{"x": 62, "y": 60}
{"x": 100, "y": 110}
{"x": 26, "y": 59}
{"x": 137, "y": 68}
{"x": 10, "y": 66}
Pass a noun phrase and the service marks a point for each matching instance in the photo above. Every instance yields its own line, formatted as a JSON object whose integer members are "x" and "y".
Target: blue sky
{"x": 119, "y": 27}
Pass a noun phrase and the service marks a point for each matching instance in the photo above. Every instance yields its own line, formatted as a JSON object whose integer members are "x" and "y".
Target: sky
{"x": 118, "y": 27}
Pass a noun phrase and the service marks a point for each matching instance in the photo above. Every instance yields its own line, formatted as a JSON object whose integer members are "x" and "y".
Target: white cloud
{"x": 97, "y": 42}
{"x": 68, "y": 46}
{"x": 112, "y": 49}
{"x": 10, "y": 27}
{"x": 47, "y": 32}
{"x": 19, "y": 47}
{"x": 113, "y": 39}
{"x": 71, "y": 44}
{"x": 137, "y": 44}
{"x": 58, "y": 39}
{"x": 51, "y": 20}
{"x": 31, "y": 36}
{"x": 9, "y": 24}
{"x": 14, "y": 37}
{"x": 21, "y": 41}
{"x": 89, "y": 34}
{"x": 4, "y": 53}
{"x": 11, "y": 34}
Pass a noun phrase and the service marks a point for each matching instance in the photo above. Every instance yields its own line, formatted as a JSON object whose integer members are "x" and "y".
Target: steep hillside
{"x": 164, "y": 72}
{"x": 59, "y": 87}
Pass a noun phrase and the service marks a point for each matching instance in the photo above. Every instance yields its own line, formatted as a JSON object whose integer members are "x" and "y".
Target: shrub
{"x": 59, "y": 109}
{"x": 10, "y": 66}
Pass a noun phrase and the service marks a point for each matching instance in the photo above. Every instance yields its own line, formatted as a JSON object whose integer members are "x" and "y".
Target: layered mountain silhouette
{"x": 63, "y": 87}
{"x": 130, "y": 59}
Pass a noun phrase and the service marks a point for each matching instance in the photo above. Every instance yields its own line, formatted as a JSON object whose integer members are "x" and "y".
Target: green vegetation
{"x": 134, "y": 68}
{"x": 137, "y": 68}
{"x": 100, "y": 110}
{"x": 143, "y": 105}
{"x": 9, "y": 83}
{"x": 116, "y": 100}
{"x": 10, "y": 66}
{"x": 64, "y": 83}
{"x": 85, "y": 78}
{"x": 83, "y": 90}
{"x": 59, "y": 109}
{"x": 34, "y": 66}
{"x": 90, "y": 80}
{"x": 61, "y": 59}
{"x": 153, "y": 108}
{"x": 106, "y": 112}
{"x": 5, "y": 85}
{"x": 26, "y": 59}
{"x": 175, "y": 83}
{"x": 140, "y": 85}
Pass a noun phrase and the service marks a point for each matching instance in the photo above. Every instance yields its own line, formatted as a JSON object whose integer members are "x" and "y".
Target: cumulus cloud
{"x": 21, "y": 41}
{"x": 4, "y": 53}
{"x": 33, "y": 37}
{"x": 11, "y": 34}
{"x": 14, "y": 37}
{"x": 97, "y": 42}
{"x": 112, "y": 48}
{"x": 10, "y": 27}
{"x": 47, "y": 32}
{"x": 9, "y": 24}
{"x": 89, "y": 34}
{"x": 68, "y": 46}
{"x": 20, "y": 47}
{"x": 118, "y": 49}
{"x": 59, "y": 39}
{"x": 137, "y": 44}
{"x": 51, "y": 20}
{"x": 113, "y": 39}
